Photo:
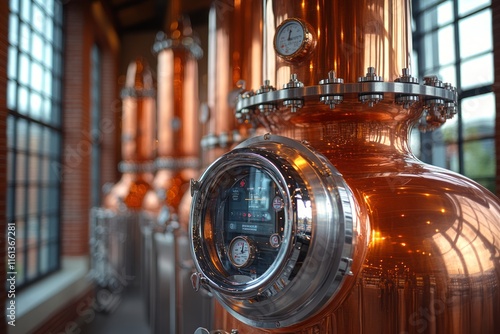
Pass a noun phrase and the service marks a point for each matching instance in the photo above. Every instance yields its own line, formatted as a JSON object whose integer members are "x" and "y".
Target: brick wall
{"x": 4, "y": 19}
{"x": 76, "y": 123}
{"x": 81, "y": 34}
{"x": 495, "y": 5}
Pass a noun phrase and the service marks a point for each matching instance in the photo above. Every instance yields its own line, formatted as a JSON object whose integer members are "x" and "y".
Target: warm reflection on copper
{"x": 432, "y": 263}
{"x": 137, "y": 141}
{"x": 234, "y": 64}
{"x": 433, "y": 260}
{"x": 351, "y": 36}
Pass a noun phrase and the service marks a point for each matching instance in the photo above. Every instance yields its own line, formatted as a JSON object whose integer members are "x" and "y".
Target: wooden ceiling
{"x": 140, "y": 15}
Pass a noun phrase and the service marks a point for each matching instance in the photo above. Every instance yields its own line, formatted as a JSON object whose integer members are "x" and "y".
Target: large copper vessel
{"x": 178, "y": 127}
{"x": 137, "y": 139}
{"x": 421, "y": 247}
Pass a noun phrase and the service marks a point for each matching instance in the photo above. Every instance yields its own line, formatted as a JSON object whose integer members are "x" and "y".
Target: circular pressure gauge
{"x": 294, "y": 40}
{"x": 241, "y": 252}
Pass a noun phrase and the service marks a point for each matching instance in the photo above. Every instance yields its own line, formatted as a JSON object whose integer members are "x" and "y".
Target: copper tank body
{"x": 137, "y": 140}
{"x": 429, "y": 262}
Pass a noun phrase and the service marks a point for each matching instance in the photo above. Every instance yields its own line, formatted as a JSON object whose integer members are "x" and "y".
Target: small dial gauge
{"x": 241, "y": 252}
{"x": 293, "y": 40}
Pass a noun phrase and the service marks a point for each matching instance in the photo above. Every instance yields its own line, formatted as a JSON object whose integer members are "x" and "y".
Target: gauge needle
{"x": 290, "y": 34}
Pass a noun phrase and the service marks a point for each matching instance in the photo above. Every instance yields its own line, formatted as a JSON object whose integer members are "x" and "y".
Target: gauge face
{"x": 289, "y": 37}
{"x": 293, "y": 40}
{"x": 241, "y": 252}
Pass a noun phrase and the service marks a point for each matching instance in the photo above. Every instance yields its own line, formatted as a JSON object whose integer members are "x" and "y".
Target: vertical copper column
{"x": 233, "y": 66}
{"x": 137, "y": 148}
{"x": 350, "y": 37}
{"x": 178, "y": 126}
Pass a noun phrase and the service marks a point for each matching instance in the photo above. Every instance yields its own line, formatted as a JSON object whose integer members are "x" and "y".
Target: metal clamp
{"x": 332, "y": 100}
{"x": 371, "y": 98}
{"x": 293, "y": 103}
{"x": 438, "y": 98}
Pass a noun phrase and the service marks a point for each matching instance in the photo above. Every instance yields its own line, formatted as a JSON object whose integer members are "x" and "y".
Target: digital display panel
{"x": 249, "y": 204}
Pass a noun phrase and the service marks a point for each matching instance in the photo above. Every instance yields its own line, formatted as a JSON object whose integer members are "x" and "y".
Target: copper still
{"x": 177, "y": 124}
{"x": 329, "y": 224}
{"x": 137, "y": 139}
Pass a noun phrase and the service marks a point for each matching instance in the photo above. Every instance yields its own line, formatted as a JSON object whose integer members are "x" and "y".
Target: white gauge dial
{"x": 293, "y": 40}
{"x": 241, "y": 251}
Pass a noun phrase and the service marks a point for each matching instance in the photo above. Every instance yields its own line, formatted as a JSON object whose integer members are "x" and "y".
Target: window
{"x": 34, "y": 135}
{"x": 453, "y": 40}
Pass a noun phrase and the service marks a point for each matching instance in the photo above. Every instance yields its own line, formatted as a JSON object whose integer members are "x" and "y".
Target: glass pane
{"x": 10, "y": 132}
{"x": 13, "y": 29}
{"x": 22, "y": 135}
{"x": 35, "y": 138}
{"x": 44, "y": 258}
{"x": 38, "y": 19}
{"x": 467, "y": 6}
{"x": 478, "y": 113}
{"x": 57, "y": 37}
{"x": 54, "y": 199}
{"x": 20, "y": 201}
{"x": 55, "y": 171}
{"x": 24, "y": 67}
{"x": 475, "y": 34}
{"x": 44, "y": 141}
{"x": 48, "y": 56}
{"x": 44, "y": 171}
{"x": 25, "y": 38}
{"x": 33, "y": 199}
{"x": 26, "y": 10}
{"x": 53, "y": 255}
{"x": 36, "y": 106}
{"x": 448, "y": 133}
{"x": 32, "y": 262}
{"x": 12, "y": 67}
{"x": 47, "y": 84}
{"x": 439, "y": 48}
{"x": 446, "y": 45}
{"x": 477, "y": 72}
{"x": 425, "y": 4}
{"x": 57, "y": 11}
{"x": 14, "y": 6}
{"x": 11, "y": 95}
{"x": 53, "y": 228}
{"x": 37, "y": 76}
{"x": 38, "y": 44}
{"x": 479, "y": 158}
{"x": 54, "y": 141}
{"x": 46, "y": 110}
{"x": 448, "y": 74}
{"x": 34, "y": 167}
{"x": 22, "y": 100}
{"x": 49, "y": 30}
{"x": 436, "y": 16}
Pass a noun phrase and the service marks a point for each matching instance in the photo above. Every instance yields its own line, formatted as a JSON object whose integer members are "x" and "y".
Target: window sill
{"x": 37, "y": 303}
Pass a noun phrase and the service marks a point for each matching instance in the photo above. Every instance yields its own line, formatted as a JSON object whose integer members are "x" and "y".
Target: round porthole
{"x": 272, "y": 231}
